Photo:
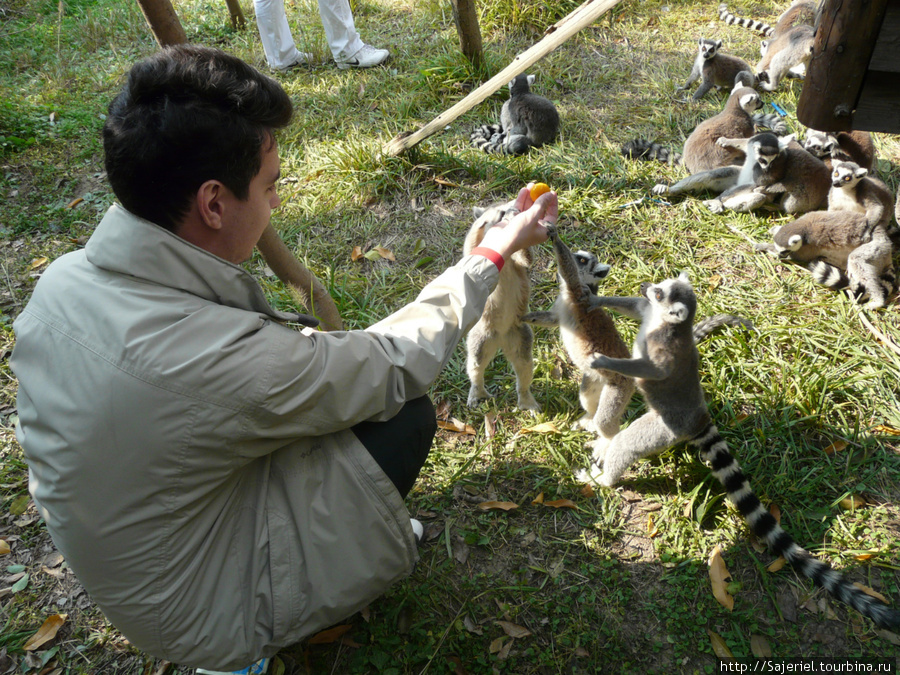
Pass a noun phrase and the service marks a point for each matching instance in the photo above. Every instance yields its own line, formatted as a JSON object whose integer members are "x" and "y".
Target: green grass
{"x": 596, "y": 592}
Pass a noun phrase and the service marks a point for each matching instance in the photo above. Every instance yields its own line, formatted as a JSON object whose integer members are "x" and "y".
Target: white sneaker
{"x": 258, "y": 668}
{"x": 367, "y": 57}
{"x": 418, "y": 530}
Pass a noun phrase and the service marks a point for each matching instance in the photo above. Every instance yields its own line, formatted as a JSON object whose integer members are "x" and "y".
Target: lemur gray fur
{"x": 853, "y": 189}
{"x": 700, "y": 150}
{"x": 526, "y": 120}
{"x": 587, "y": 329}
{"x": 777, "y": 173}
{"x": 800, "y": 12}
{"x": 716, "y": 69}
{"x": 500, "y": 326}
{"x": 666, "y": 367}
{"x": 788, "y": 52}
{"x": 849, "y": 146}
{"x": 841, "y": 250}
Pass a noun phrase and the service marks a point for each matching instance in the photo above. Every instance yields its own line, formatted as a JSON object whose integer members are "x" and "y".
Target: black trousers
{"x": 401, "y": 444}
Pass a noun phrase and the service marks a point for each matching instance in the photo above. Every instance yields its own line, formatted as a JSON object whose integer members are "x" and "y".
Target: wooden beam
{"x": 466, "y": 18}
{"x": 558, "y": 33}
{"x": 845, "y": 39}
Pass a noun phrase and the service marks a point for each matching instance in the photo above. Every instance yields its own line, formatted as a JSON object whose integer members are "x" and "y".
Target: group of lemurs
{"x": 844, "y": 239}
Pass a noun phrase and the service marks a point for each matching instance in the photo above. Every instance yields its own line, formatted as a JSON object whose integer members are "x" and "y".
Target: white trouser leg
{"x": 337, "y": 20}
{"x": 275, "y": 33}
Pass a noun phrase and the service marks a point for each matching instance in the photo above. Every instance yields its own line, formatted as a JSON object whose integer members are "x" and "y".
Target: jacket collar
{"x": 126, "y": 244}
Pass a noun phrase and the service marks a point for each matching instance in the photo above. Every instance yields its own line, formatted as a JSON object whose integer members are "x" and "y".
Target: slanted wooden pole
{"x": 558, "y": 33}
{"x": 163, "y": 21}
{"x": 466, "y": 18}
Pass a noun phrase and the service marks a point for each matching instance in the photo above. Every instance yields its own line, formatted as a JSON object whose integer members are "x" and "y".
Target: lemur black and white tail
{"x": 703, "y": 328}
{"x": 771, "y": 121}
{"x": 828, "y": 275}
{"x": 488, "y": 137}
{"x": 751, "y": 24}
{"x": 714, "y": 451}
{"x": 641, "y": 148}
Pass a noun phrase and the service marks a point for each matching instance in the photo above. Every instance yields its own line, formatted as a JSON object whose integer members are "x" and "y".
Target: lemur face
{"x": 708, "y": 48}
{"x": 590, "y": 269}
{"x": 673, "y": 300}
{"x": 818, "y": 143}
{"x": 846, "y": 174}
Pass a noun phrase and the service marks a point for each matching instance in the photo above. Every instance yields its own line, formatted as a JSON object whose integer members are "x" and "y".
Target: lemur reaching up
{"x": 526, "y": 120}
{"x": 587, "y": 329}
{"x": 666, "y": 367}
{"x": 500, "y": 325}
{"x": 716, "y": 69}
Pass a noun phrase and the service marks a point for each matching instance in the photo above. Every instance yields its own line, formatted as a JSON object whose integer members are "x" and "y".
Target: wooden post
{"x": 466, "y": 19}
{"x": 845, "y": 39}
{"x": 558, "y": 33}
{"x": 238, "y": 22}
{"x": 163, "y": 21}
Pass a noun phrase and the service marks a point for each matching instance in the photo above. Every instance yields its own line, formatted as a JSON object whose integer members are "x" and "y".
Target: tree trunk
{"x": 163, "y": 22}
{"x": 466, "y": 19}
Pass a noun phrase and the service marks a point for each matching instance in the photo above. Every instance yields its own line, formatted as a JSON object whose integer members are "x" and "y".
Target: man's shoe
{"x": 258, "y": 668}
{"x": 367, "y": 57}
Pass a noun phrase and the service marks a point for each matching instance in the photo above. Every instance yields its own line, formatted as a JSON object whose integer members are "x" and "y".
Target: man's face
{"x": 247, "y": 219}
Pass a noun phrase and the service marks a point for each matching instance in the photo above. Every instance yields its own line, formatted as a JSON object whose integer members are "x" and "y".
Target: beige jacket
{"x": 191, "y": 454}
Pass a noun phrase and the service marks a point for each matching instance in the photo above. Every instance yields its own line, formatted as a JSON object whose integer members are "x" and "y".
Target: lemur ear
{"x": 785, "y": 141}
{"x": 794, "y": 242}
{"x": 774, "y": 230}
{"x": 531, "y": 79}
{"x": 862, "y": 173}
{"x": 684, "y": 277}
{"x": 478, "y": 211}
{"x": 718, "y": 44}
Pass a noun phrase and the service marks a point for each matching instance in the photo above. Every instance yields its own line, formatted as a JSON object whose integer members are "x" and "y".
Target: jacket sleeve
{"x": 318, "y": 383}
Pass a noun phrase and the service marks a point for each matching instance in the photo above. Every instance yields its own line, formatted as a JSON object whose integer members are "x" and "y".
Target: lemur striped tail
{"x": 828, "y": 275}
{"x": 751, "y": 24}
{"x": 641, "y": 148}
{"x": 771, "y": 121}
{"x": 488, "y": 137}
{"x": 709, "y": 324}
{"x": 714, "y": 451}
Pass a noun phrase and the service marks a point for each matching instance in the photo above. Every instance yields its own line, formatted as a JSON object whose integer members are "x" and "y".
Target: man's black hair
{"x": 189, "y": 114}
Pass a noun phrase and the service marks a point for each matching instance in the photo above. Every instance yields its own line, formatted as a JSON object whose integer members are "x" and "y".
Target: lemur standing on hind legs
{"x": 526, "y": 120}
{"x": 666, "y": 367}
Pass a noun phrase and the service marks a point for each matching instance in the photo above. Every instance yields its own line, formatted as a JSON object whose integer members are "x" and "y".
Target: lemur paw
{"x": 476, "y": 396}
{"x": 586, "y": 423}
{"x": 722, "y": 142}
{"x": 714, "y": 205}
{"x": 601, "y": 361}
{"x": 528, "y": 402}
{"x": 660, "y": 189}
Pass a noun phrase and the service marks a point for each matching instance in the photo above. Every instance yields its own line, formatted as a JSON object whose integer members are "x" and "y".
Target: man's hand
{"x": 527, "y": 227}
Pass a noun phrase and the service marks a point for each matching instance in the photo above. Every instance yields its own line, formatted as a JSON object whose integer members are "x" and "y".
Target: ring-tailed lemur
{"x": 849, "y": 146}
{"x": 800, "y": 12}
{"x": 500, "y": 326}
{"x": 853, "y": 189}
{"x": 587, "y": 329}
{"x": 526, "y": 120}
{"x": 737, "y": 120}
{"x": 666, "y": 365}
{"x": 716, "y": 69}
{"x": 778, "y": 173}
{"x": 841, "y": 250}
{"x": 789, "y": 52}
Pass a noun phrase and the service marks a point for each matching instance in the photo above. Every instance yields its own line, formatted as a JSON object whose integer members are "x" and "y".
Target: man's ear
{"x": 211, "y": 204}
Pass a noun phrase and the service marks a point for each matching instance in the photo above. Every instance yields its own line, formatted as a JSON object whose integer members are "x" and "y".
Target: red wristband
{"x": 490, "y": 254}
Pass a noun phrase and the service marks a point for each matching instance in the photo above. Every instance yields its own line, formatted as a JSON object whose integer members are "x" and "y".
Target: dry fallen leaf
{"x": 777, "y": 564}
{"x": 384, "y": 253}
{"x": 4, "y": 547}
{"x": 869, "y": 591}
{"x": 652, "y": 529}
{"x": 714, "y": 281}
{"x": 719, "y": 576}
{"x": 543, "y": 428}
{"x": 539, "y": 499}
{"x": 490, "y": 424}
{"x": 513, "y": 630}
{"x": 740, "y": 418}
{"x": 328, "y": 636}
{"x": 562, "y": 504}
{"x": 885, "y": 429}
{"x": 719, "y": 647}
{"x": 493, "y": 506}
{"x": 837, "y": 446}
{"x": 456, "y": 426}
{"x": 356, "y": 253}
{"x": 864, "y": 556}
{"x": 496, "y": 645}
{"x": 759, "y": 646}
{"x": 852, "y": 502}
{"x": 588, "y": 491}
{"x": 46, "y": 632}
{"x": 75, "y": 202}
{"x": 38, "y": 262}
